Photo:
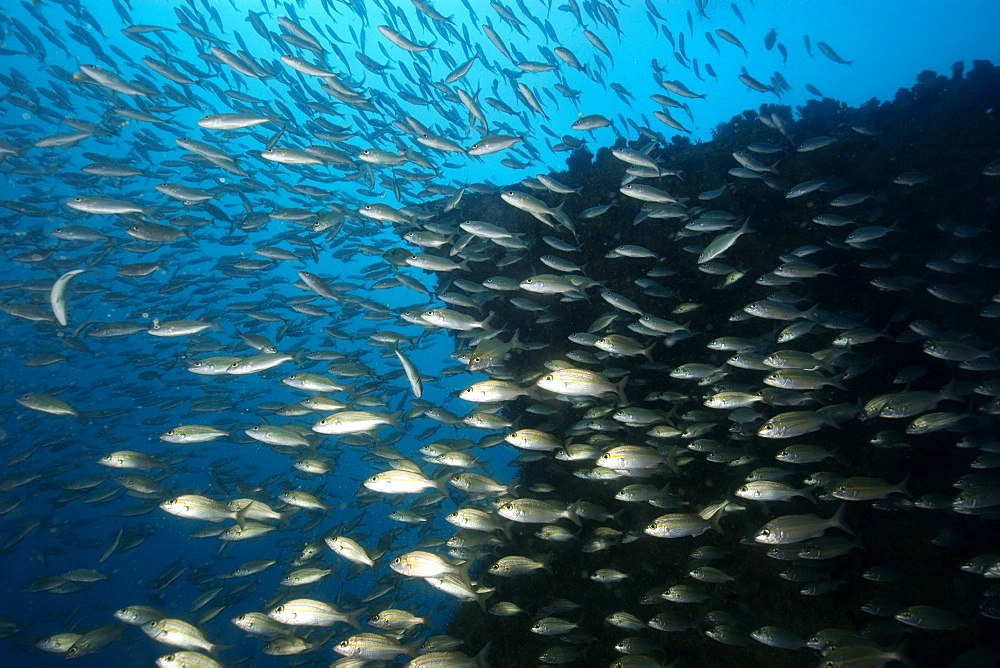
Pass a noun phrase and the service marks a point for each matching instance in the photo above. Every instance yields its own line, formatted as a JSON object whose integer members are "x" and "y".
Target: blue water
{"x": 120, "y": 385}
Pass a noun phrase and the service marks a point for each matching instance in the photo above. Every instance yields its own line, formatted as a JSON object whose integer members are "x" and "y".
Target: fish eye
{"x": 764, "y": 533}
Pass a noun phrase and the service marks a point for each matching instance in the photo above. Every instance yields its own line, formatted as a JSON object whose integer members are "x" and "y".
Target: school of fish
{"x": 750, "y": 413}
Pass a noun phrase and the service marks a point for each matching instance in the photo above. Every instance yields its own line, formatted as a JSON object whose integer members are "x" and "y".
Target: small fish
{"x": 349, "y": 549}
{"x": 866, "y": 489}
{"x": 45, "y": 403}
{"x": 797, "y": 528}
{"x": 792, "y": 424}
{"x": 827, "y": 51}
{"x": 580, "y": 383}
{"x": 177, "y": 633}
{"x": 678, "y": 525}
{"x": 766, "y": 490}
{"x": 533, "y": 511}
{"x": 722, "y": 243}
{"x": 372, "y": 647}
{"x": 354, "y": 422}
{"x": 310, "y": 612}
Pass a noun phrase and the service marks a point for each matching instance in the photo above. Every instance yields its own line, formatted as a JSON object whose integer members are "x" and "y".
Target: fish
{"x": 827, "y": 51}
{"x": 342, "y": 225}
{"x": 678, "y": 525}
{"x": 631, "y": 457}
{"x": 412, "y": 373}
{"x": 57, "y": 298}
{"x": 372, "y": 647}
{"x": 58, "y": 643}
{"x": 401, "y": 482}
{"x": 350, "y": 549}
{"x": 581, "y": 382}
{"x": 731, "y": 38}
{"x": 860, "y": 488}
{"x": 93, "y": 640}
{"x": 45, "y": 403}
{"x": 792, "y": 424}
{"x": 534, "y": 511}
{"x": 310, "y": 612}
{"x": 722, "y": 243}
{"x": 186, "y": 659}
{"x": 354, "y": 422}
{"x": 198, "y": 507}
{"x": 797, "y": 528}
{"x": 766, "y": 490}
{"x": 177, "y": 633}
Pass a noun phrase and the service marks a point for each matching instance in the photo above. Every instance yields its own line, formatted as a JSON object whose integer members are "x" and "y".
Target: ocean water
{"x": 63, "y": 510}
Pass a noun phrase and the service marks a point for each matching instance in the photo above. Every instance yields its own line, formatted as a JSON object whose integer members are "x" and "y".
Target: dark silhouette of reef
{"x": 946, "y": 128}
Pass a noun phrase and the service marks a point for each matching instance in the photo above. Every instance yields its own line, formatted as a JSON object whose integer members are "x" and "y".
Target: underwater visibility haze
{"x": 468, "y": 333}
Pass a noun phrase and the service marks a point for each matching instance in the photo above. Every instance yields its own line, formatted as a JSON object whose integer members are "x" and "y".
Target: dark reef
{"x": 944, "y": 127}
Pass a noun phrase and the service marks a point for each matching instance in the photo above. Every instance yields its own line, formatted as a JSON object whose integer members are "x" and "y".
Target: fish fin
{"x": 442, "y": 483}
{"x": 482, "y": 658}
{"x": 836, "y": 381}
{"x": 571, "y": 513}
{"x": 214, "y": 649}
{"x": 241, "y": 516}
{"x": 481, "y": 597}
{"x": 838, "y": 519}
{"x": 352, "y": 619}
{"x": 901, "y": 487}
{"x": 620, "y": 390}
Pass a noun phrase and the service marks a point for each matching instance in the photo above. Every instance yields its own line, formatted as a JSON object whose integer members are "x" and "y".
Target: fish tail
{"x": 838, "y": 519}
{"x": 620, "y": 390}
